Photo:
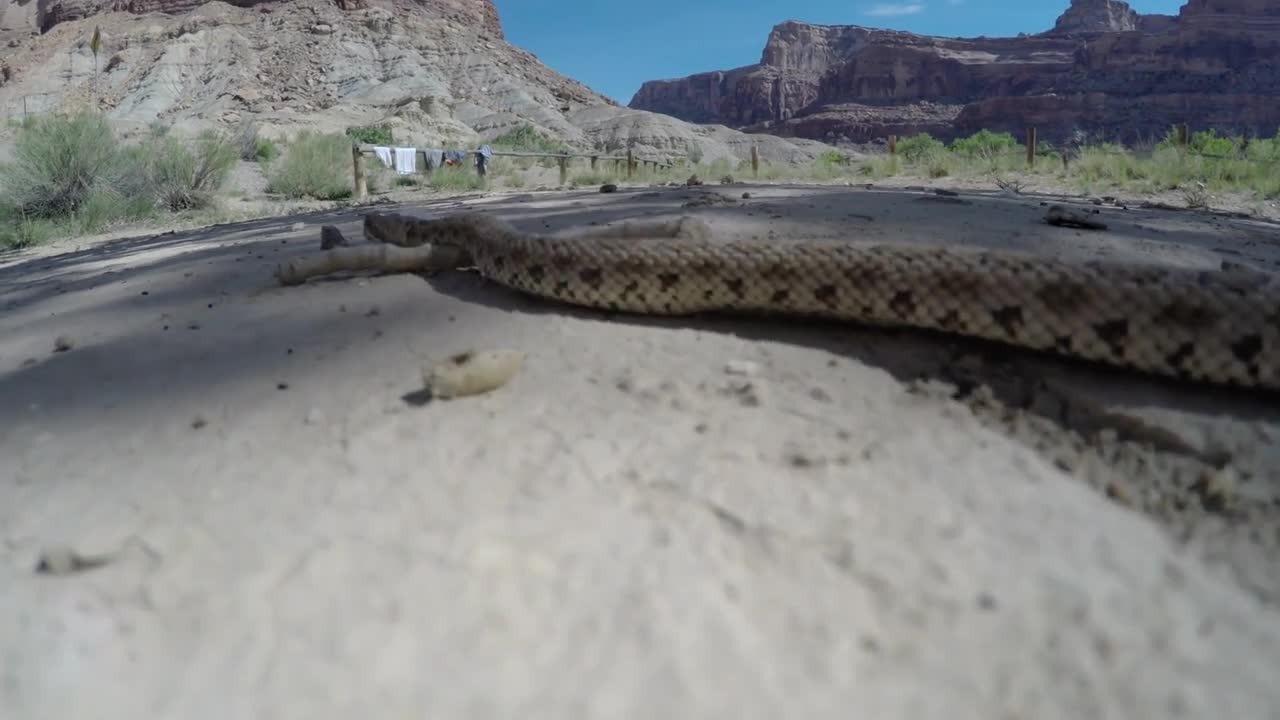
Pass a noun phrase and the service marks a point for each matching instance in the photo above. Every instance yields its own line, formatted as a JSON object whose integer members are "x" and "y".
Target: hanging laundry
{"x": 406, "y": 159}
{"x": 434, "y": 159}
{"x": 454, "y": 157}
{"x": 384, "y": 154}
{"x": 483, "y": 155}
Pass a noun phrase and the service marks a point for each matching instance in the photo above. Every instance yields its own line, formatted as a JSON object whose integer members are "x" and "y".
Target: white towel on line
{"x": 406, "y": 159}
{"x": 384, "y": 154}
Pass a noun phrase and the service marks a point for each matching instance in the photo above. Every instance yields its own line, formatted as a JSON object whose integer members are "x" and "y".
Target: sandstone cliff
{"x": 438, "y": 71}
{"x": 1097, "y": 16}
{"x": 1103, "y": 68}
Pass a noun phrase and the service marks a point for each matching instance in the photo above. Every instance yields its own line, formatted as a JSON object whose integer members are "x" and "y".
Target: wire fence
{"x": 1179, "y": 138}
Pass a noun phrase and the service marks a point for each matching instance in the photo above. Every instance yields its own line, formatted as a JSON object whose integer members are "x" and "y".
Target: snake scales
{"x": 1214, "y": 327}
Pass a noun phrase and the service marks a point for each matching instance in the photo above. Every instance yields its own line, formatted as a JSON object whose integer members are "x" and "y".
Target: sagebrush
{"x": 313, "y": 165}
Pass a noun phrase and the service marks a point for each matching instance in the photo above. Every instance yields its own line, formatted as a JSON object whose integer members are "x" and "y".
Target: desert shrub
{"x": 830, "y": 164}
{"x": 525, "y": 138}
{"x": 254, "y": 147}
{"x": 182, "y": 175}
{"x": 58, "y": 164}
{"x": 1204, "y": 142}
{"x": 266, "y": 150}
{"x": 19, "y": 231}
{"x": 1207, "y": 142}
{"x": 833, "y": 157}
{"x": 371, "y": 134}
{"x": 718, "y": 168}
{"x": 459, "y": 177}
{"x": 938, "y": 164}
{"x": 985, "y": 144}
{"x": 1195, "y": 197}
{"x": 1169, "y": 167}
{"x": 880, "y": 166}
{"x": 1264, "y": 149}
{"x": 592, "y": 177}
{"x": 1111, "y": 164}
{"x": 920, "y": 148}
{"x": 313, "y": 165}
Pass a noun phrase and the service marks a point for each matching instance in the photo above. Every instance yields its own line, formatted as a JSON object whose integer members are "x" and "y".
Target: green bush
{"x": 1208, "y": 143}
{"x": 254, "y": 147}
{"x": 455, "y": 178}
{"x": 985, "y": 144}
{"x": 526, "y": 139}
{"x": 58, "y": 164}
{"x": 920, "y": 148}
{"x": 314, "y": 165}
{"x": 1204, "y": 142}
{"x": 180, "y": 177}
{"x": 371, "y": 134}
{"x": 19, "y": 231}
{"x": 264, "y": 150}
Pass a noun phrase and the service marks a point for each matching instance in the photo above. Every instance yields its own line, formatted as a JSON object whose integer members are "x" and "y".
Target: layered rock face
{"x": 1103, "y": 69}
{"x": 1097, "y": 16}
{"x": 52, "y": 12}
{"x": 1251, "y": 8}
{"x": 439, "y": 72}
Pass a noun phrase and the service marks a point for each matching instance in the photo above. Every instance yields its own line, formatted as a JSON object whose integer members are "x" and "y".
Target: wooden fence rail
{"x": 358, "y": 151}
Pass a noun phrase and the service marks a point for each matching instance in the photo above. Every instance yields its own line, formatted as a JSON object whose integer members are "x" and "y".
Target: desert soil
{"x": 712, "y": 517}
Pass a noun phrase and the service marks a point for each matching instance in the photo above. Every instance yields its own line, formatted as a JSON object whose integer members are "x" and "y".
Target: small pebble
{"x": 65, "y": 561}
{"x": 742, "y": 367}
{"x": 63, "y": 343}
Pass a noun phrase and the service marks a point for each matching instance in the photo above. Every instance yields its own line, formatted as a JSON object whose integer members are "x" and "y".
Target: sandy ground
{"x": 715, "y": 517}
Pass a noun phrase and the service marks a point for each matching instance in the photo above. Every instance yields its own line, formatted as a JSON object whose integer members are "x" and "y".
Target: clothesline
{"x": 488, "y": 153}
{"x": 404, "y": 159}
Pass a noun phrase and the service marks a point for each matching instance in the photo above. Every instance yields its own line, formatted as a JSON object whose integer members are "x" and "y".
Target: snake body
{"x": 1209, "y": 326}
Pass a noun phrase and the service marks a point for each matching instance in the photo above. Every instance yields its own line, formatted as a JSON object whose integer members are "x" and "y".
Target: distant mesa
{"x": 1103, "y": 68}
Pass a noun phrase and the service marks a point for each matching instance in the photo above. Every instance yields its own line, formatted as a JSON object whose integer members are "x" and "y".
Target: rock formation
{"x": 1096, "y": 16}
{"x": 436, "y": 71}
{"x": 1103, "y": 68}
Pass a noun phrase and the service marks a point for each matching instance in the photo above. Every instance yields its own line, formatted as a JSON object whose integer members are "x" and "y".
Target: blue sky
{"x": 614, "y": 45}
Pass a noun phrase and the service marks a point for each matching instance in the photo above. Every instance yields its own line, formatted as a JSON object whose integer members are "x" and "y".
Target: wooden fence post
{"x": 564, "y": 169}
{"x": 755, "y": 162}
{"x": 631, "y": 163}
{"x": 1031, "y": 147}
{"x": 357, "y": 173}
{"x": 893, "y": 144}
{"x": 1184, "y": 135}
{"x": 594, "y": 158}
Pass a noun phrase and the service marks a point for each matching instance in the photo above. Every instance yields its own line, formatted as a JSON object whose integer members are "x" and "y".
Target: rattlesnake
{"x": 1208, "y": 326}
